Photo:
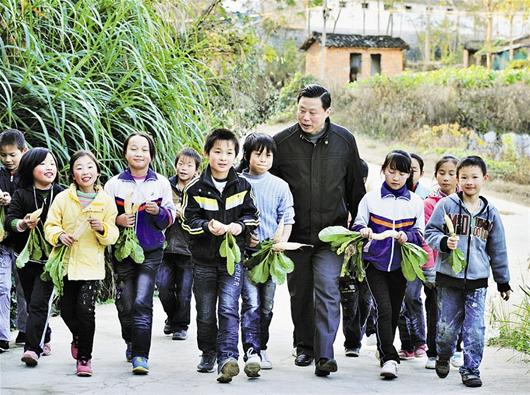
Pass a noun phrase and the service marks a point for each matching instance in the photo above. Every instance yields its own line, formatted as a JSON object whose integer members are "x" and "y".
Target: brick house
{"x": 350, "y": 57}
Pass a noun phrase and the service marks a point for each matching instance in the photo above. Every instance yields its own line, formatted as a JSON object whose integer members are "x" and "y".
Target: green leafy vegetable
{"x": 413, "y": 258}
{"x": 128, "y": 245}
{"x": 266, "y": 262}
{"x": 36, "y": 248}
{"x": 230, "y": 250}
{"x": 3, "y": 232}
{"x": 54, "y": 269}
{"x": 457, "y": 259}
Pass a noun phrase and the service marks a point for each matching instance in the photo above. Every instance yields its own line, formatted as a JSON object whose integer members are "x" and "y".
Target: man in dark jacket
{"x": 320, "y": 162}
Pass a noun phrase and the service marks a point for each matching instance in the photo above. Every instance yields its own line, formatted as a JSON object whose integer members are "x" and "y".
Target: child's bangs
{"x": 399, "y": 162}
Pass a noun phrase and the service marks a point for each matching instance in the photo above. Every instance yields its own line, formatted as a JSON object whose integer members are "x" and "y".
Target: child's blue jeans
{"x": 458, "y": 310}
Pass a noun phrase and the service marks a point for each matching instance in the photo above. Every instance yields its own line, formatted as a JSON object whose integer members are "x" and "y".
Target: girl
{"x": 445, "y": 175}
{"x": 135, "y": 282}
{"x": 84, "y": 202}
{"x": 37, "y": 189}
{"x": 392, "y": 207}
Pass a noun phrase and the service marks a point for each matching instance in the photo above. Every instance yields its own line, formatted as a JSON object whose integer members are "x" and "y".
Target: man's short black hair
{"x": 220, "y": 134}
{"x": 258, "y": 142}
{"x": 314, "y": 90}
{"x": 13, "y": 137}
{"x": 472, "y": 160}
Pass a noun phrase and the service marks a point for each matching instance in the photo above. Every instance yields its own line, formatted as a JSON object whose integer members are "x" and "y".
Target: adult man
{"x": 320, "y": 162}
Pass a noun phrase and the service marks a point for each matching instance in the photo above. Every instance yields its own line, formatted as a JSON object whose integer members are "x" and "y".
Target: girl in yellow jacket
{"x": 82, "y": 218}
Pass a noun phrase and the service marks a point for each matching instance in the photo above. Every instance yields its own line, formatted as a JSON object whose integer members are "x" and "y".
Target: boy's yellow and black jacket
{"x": 87, "y": 254}
{"x": 203, "y": 202}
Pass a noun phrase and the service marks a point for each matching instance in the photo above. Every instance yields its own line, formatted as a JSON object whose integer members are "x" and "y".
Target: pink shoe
{"x": 84, "y": 368}
{"x": 74, "y": 349}
{"x": 421, "y": 351}
{"x": 47, "y": 350}
{"x": 406, "y": 355}
{"x": 30, "y": 358}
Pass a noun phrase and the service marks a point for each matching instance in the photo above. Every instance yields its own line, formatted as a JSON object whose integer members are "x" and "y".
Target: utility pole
{"x": 427, "y": 44}
{"x": 325, "y": 15}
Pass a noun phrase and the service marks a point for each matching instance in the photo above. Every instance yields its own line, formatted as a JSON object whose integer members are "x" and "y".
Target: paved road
{"x": 173, "y": 367}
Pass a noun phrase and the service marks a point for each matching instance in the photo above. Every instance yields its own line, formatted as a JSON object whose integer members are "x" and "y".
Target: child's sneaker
{"x": 457, "y": 360}
{"x": 207, "y": 363}
{"x": 389, "y": 370}
{"x": 4, "y": 346}
{"x": 128, "y": 352}
{"x": 351, "y": 352}
{"x": 140, "y": 365}
{"x": 84, "y": 368}
{"x": 406, "y": 355}
{"x": 431, "y": 363}
{"x": 266, "y": 363}
{"x": 442, "y": 368}
{"x": 181, "y": 334}
{"x": 21, "y": 338}
{"x": 252, "y": 364}
{"x": 47, "y": 350}
{"x": 30, "y": 358}
{"x": 471, "y": 380}
{"x": 168, "y": 327}
{"x": 420, "y": 351}
{"x": 74, "y": 349}
{"x": 227, "y": 370}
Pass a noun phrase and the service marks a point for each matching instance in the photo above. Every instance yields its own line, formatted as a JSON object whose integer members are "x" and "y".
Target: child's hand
{"x": 452, "y": 242}
{"x": 217, "y": 228}
{"x": 96, "y": 224}
{"x": 29, "y": 223}
{"x": 506, "y": 294}
{"x": 235, "y": 229}
{"x": 253, "y": 240}
{"x": 125, "y": 220}
{"x": 366, "y": 233}
{"x": 5, "y": 198}
{"x": 152, "y": 208}
{"x": 401, "y": 237}
{"x": 179, "y": 211}
{"x": 66, "y": 239}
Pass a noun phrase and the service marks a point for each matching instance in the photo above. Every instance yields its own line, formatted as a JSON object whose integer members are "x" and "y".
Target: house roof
{"x": 500, "y": 45}
{"x": 355, "y": 41}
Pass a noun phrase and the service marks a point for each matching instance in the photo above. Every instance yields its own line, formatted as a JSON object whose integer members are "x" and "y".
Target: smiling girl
{"x": 37, "y": 189}
{"x": 82, "y": 218}
{"x": 135, "y": 282}
{"x": 392, "y": 207}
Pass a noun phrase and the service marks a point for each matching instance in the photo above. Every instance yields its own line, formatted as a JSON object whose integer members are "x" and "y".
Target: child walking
{"x": 392, "y": 207}
{"x": 37, "y": 190}
{"x": 12, "y": 147}
{"x": 216, "y": 203}
{"x": 175, "y": 274}
{"x": 274, "y": 202}
{"x": 135, "y": 282}
{"x": 84, "y": 202}
{"x": 461, "y": 296}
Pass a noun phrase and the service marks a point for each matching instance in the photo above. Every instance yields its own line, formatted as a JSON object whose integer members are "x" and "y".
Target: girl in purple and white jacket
{"x": 393, "y": 207}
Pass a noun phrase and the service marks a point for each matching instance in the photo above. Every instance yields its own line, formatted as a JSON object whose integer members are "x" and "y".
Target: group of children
{"x": 180, "y": 224}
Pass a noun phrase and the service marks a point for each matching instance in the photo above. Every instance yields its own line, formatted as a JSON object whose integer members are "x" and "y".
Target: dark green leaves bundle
{"x": 457, "y": 260}
{"x": 266, "y": 262}
{"x": 349, "y": 243}
{"x": 413, "y": 258}
{"x": 230, "y": 250}
{"x": 54, "y": 267}
{"x": 3, "y": 232}
{"x": 128, "y": 245}
{"x": 36, "y": 249}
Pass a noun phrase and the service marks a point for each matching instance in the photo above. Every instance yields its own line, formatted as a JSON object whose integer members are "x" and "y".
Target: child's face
{"x": 260, "y": 162}
{"x": 446, "y": 178}
{"x": 138, "y": 155}
{"x": 471, "y": 179}
{"x": 45, "y": 172}
{"x": 221, "y": 158}
{"x": 186, "y": 168}
{"x": 394, "y": 178}
{"x": 10, "y": 156}
{"x": 416, "y": 172}
{"x": 85, "y": 173}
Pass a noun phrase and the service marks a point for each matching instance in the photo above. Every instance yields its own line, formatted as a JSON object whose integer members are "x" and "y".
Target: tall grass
{"x": 85, "y": 74}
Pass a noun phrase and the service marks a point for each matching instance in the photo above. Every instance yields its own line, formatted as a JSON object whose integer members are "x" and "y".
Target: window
{"x": 364, "y": 5}
{"x": 355, "y": 66}
{"x": 375, "y": 67}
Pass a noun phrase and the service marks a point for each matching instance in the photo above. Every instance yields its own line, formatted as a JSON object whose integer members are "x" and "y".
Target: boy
{"x": 274, "y": 201}
{"x": 356, "y": 303}
{"x": 175, "y": 274}
{"x": 12, "y": 147}
{"x": 216, "y": 203}
{"x": 461, "y": 296}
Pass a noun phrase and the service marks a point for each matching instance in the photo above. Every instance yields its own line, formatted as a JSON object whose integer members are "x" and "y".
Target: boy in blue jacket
{"x": 461, "y": 296}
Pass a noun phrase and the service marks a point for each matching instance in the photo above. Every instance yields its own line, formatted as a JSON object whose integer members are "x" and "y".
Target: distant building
{"x": 501, "y": 53}
{"x": 350, "y": 57}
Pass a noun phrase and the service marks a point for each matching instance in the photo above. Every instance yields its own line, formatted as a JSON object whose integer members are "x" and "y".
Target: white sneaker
{"x": 253, "y": 363}
{"x": 265, "y": 361}
{"x": 389, "y": 370}
{"x": 457, "y": 360}
{"x": 431, "y": 363}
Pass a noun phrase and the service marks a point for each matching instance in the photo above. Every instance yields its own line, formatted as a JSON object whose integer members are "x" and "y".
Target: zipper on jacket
{"x": 468, "y": 247}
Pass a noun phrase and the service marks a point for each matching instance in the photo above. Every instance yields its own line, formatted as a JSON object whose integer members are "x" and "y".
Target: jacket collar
{"x": 402, "y": 193}
{"x": 303, "y": 135}
{"x": 127, "y": 176}
{"x": 206, "y": 177}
